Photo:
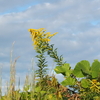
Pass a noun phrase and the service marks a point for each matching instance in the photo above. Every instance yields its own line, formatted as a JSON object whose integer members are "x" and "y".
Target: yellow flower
{"x": 30, "y": 30}
{"x": 51, "y": 35}
{"x": 39, "y": 35}
{"x": 41, "y": 29}
{"x": 94, "y": 81}
{"x": 45, "y": 40}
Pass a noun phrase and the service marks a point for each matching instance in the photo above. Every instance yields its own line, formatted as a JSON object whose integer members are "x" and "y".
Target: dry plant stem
{"x": 32, "y": 78}
{"x": 12, "y": 71}
{"x": 19, "y": 84}
{"x": 11, "y": 88}
{"x": 0, "y": 81}
{"x": 12, "y": 75}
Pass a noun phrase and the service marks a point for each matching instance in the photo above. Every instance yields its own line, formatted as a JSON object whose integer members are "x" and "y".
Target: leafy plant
{"x": 88, "y": 75}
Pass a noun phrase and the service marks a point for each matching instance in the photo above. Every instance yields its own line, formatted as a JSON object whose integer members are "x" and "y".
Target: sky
{"x": 76, "y": 21}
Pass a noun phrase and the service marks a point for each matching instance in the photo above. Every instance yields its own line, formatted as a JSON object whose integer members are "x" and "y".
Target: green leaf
{"x": 85, "y": 83}
{"x": 67, "y": 69}
{"x": 55, "y": 51}
{"x": 61, "y": 58}
{"x": 58, "y": 69}
{"x": 82, "y": 69}
{"x": 68, "y": 81}
{"x": 63, "y": 69}
{"x": 95, "y": 69}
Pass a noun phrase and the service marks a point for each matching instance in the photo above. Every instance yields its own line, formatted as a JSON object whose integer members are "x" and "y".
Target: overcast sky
{"x": 76, "y": 21}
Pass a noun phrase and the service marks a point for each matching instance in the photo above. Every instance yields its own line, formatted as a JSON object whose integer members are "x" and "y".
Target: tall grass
{"x": 0, "y": 82}
{"x": 32, "y": 90}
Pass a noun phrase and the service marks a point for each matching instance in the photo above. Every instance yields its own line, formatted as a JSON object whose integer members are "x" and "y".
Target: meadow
{"x": 80, "y": 83}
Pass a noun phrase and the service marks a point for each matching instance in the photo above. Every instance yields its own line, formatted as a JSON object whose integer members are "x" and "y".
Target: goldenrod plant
{"x": 41, "y": 45}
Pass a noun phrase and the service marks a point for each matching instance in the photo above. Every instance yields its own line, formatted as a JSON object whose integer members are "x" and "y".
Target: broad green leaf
{"x": 58, "y": 69}
{"x": 95, "y": 69}
{"x": 67, "y": 69}
{"x": 66, "y": 66}
{"x": 82, "y": 69}
{"x": 64, "y": 69}
{"x": 85, "y": 83}
{"x": 68, "y": 81}
{"x": 68, "y": 72}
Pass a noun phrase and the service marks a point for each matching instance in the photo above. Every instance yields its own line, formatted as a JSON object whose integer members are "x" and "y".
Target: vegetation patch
{"x": 80, "y": 83}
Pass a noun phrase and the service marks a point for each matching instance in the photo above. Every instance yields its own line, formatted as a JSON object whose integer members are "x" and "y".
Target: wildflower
{"x": 94, "y": 81}
{"x": 39, "y": 36}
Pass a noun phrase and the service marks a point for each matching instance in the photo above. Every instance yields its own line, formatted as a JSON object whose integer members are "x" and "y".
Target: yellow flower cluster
{"x": 95, "y": 86}
{"x": 39, "y": 35}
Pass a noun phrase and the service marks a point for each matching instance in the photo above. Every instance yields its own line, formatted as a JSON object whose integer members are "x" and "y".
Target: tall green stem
{"x": 42, "y": 63}
{"x": 53, "y": 54}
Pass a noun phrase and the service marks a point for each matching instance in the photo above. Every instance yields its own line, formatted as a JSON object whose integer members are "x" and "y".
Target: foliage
{"x": 80, "y": 83}
{"x": 84, "y": 78}
{"x": 53, "y": 54}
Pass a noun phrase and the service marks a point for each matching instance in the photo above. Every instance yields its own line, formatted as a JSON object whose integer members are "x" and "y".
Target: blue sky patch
{"x": 19, "y": 8}
{"x": 94, "y": 22}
